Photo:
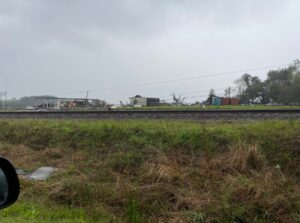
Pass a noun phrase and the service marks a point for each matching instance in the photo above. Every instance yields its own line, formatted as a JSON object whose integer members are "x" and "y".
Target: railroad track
{"x": 217, "y": 114}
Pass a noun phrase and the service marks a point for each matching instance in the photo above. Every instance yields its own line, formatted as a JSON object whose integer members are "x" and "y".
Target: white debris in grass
{"x": 42, "y": 173}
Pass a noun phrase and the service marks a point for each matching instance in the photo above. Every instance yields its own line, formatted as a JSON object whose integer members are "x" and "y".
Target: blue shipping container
{"x": 216, "y": 101}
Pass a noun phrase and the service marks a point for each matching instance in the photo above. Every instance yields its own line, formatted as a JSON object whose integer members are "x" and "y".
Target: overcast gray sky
{"x": 63, "y": 47}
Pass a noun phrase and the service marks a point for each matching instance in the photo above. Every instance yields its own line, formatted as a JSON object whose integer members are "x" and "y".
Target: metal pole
{"x": 5, "y": 93}
{"x": 1, "y": 93}
{"x": 229, "y": 95}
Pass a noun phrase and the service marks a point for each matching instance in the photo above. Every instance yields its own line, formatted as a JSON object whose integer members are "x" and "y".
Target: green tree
{"x": 283, "y": 84}
{"x": 252, "y": 90}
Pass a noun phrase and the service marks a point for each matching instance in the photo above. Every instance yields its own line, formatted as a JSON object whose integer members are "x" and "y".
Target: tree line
{"x": 282, "y": 86}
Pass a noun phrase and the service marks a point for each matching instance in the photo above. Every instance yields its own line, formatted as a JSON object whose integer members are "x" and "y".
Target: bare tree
{"x": 211, "y": 94}
{"x": 178, "y": 100}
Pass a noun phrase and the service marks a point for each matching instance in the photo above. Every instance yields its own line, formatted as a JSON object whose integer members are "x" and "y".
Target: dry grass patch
{"x": 244, "y": 158}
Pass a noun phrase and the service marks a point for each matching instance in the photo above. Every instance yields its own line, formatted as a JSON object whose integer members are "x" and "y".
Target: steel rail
{"x": 156, "y": 111}
{"x": 204, "y": 114}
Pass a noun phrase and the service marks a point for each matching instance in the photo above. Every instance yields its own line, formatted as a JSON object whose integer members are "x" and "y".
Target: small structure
{"x": 139, "y": 101}
{"x": 51, "y": 103}
{"x": 217, "y": 101}
{"x": 234, "y": 101}
{"x": 230, "y": 101}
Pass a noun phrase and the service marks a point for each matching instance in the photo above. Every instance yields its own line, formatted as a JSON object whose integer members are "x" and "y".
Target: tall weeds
{"x": 142, "y": 171}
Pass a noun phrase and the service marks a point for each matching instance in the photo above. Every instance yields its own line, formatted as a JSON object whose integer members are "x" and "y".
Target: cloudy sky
{"x": 112, "y": 48}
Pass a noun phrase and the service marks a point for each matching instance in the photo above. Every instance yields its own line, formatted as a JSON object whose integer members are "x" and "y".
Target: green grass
{"x": 165, "y": 135}
{"x": 22, "y": 212}
{"x": 150, "y": 171}
{"x": 199, "y": 107}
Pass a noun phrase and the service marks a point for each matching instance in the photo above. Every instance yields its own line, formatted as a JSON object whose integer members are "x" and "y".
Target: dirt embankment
{"x": 158, "y": 172}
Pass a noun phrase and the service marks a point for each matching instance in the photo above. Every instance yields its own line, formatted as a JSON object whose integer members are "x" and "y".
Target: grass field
{"x": 199, "y": 107}
{"x": 155, "y": 171}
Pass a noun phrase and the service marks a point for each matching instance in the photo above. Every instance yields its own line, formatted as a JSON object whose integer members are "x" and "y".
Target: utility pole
{"x": 5, "y": 93}
{"x": 227, "y": 94}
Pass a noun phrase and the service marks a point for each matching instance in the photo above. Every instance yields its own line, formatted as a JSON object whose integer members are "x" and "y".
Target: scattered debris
{"x": 42, "y": 173}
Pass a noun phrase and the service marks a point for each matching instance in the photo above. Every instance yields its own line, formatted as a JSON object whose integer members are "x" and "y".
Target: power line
{"x": 187, "y": 78}
{"x": 176, "y": 80}
{"x": 192, "y": 92}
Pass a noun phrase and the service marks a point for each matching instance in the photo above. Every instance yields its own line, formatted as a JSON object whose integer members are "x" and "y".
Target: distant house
{"x": 139, "y": 101}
